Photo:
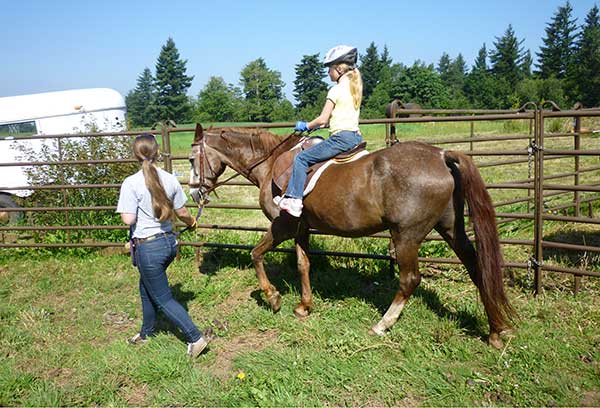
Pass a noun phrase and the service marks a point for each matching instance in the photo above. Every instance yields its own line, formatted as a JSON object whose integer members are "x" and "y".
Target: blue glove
{"x": 301, "y": 126}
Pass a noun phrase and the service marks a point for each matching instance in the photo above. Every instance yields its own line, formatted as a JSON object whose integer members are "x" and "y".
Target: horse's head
{"x": 206, "y": 167}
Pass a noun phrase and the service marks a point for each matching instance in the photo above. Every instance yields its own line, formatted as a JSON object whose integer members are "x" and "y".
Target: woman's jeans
{"x": 153, "y": 257}
{"x": 337, "y": 143}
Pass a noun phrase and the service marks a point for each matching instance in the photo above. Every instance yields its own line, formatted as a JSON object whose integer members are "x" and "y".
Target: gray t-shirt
{"x": 135, "y": 198}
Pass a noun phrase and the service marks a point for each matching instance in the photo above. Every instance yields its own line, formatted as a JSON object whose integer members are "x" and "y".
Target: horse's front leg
{"x": 276, "y": 234}
{"x": 305, "y": 305}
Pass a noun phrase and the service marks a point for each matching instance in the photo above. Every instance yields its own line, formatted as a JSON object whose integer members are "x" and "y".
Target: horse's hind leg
{"x": 466, "y": 253}
{"x": 279, "y": 231}
{"x": 408, "y": 265}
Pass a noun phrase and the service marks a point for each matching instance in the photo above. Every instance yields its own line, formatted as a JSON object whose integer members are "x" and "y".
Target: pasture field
{"x": 64, "y": 321}
{"x": 65, "y": 316}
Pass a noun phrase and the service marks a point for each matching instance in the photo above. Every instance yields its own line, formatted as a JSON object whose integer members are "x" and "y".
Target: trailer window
{"x": 17, "y": 129}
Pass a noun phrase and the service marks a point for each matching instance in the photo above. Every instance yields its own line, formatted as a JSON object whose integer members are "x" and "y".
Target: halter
{"x": 200, "y": 160}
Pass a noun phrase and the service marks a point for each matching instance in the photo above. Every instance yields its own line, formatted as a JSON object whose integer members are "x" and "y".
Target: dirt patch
{"x": 229, "y": 350}
{"x": 135, "y": 395}
{"x": 60, "y": 376}
{"x": 590, "y": 399}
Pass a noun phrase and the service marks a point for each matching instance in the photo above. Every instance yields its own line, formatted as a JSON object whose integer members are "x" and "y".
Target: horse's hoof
{"x": 301, "y": 311}
{"x": 275, "y": 301}
{"x": 495, "y": 341}
{"x": 374, "y": 331}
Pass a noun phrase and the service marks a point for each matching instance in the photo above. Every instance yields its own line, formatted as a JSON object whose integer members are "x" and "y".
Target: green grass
{"x": 64, "y": 321}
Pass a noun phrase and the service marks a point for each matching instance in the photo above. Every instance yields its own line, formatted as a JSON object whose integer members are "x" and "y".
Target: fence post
{"x": 64, "y": 191}
{"x": 472, "y": 135}
{"x": 577, "y": 146}
{"x": 166, "y": 147}
{"x": 539, "y": 199}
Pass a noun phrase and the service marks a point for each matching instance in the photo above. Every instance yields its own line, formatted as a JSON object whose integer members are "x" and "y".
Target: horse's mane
{"x": 269, "y": 139}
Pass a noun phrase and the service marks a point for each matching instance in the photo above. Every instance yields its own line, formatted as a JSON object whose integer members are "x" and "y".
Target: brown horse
{"x": 408, "y": 188}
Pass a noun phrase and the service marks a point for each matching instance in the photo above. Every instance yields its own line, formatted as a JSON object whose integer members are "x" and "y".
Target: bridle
{"x": 200, "y": 160}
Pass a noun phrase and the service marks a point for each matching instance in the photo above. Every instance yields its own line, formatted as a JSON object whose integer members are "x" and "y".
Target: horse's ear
{"x": 199, "y": 132}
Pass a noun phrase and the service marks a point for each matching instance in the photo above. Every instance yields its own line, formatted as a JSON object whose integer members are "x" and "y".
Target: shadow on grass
{"x": 574, "y": 258}
{"x": 336, "y": 278}
{"x": 163, "y": 324}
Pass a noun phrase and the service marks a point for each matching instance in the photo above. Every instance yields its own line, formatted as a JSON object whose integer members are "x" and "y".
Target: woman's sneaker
{"x": 137, "y": 340}
{"x": 194, "y": 349}
{"x": 292, "y": 206}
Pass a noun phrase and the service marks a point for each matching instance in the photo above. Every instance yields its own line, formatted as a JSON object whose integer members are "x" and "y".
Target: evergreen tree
{"x": 481, "y": 60}
{"x": 525, "y": 65}
{"x": 263, "y": 90}
{"x": 370, "y": 69}
{"x": 140, "y": 101}
{"x": 217, "y": 101}
{"x": 309, "y": 84}
{"x": 457, "y": 72}
{"x": 172, "y": 85}
{"x": 507, "y": 57}
{"x": 385, "y": 60}
{"x": 558, "y": 49}
{"x": 443, "y": 67}
{"x": 480, "y": 88}
{"x": 385, "y": 68}
{"x": 584, "y": 78}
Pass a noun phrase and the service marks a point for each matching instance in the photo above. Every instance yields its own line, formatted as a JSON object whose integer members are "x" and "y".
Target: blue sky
{"x": 50, "y": 45}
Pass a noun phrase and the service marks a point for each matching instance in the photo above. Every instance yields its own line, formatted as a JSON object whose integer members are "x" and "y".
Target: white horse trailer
{"x": 51, "y": 113}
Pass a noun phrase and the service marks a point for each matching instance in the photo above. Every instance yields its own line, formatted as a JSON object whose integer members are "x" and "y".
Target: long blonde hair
{"x": 145, "y": 149}
{"x": 356, "y": 84}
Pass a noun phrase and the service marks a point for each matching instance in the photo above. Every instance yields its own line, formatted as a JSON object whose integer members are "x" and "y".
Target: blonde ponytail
{"x": 356, "y": 84}
{"x": 145, "y": 149}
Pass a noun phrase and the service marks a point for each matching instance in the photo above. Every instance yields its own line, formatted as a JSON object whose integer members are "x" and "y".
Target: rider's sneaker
{"x": 277, "y": 199}
{"x": 194, "y": 349}
{"x": 292, "y": 206}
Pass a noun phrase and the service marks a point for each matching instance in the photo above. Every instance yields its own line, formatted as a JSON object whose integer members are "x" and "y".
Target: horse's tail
{"x": 488, "y": 277}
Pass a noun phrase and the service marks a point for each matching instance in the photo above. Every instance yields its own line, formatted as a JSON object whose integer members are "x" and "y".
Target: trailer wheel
{"x": 11, "y": 217}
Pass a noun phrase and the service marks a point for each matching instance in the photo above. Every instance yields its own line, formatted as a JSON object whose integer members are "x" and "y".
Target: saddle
{"x": 282, "y": 169}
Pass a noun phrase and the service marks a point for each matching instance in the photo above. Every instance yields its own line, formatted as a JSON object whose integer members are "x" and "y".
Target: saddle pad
{"x": 313, "y": 180}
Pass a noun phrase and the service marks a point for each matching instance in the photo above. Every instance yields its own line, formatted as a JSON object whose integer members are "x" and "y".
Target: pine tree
{"x": 480, "y": 88}
{"x": 558, "y": 49}
{"x": 140, "y": 101}
{"x": 525, "y": 65}
{"x": 370, "y": 69}
{"x": 481, "y": 60}
{"x": 309, "y": 84}
{"x": 263, "y": 90}
{"x": 507, "y": 57}
{"x": 443, "y": 67}
{"x": 585, "y": 75}
{"x": 172, "y": 85}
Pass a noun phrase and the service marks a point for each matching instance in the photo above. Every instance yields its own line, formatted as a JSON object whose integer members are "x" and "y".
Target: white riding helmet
{"x": 341, "y": 54}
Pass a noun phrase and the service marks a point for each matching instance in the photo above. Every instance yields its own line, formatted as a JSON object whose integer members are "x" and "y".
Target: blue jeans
{"x": 337, "y": 143}
{"x": 153, "y": 257}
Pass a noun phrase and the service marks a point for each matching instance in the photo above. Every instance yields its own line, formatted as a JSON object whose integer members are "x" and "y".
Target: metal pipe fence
{"x": 536, "y": 208}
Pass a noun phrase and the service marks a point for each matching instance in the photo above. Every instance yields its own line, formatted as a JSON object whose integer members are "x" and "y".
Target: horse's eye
{"x": 192, "y": 161}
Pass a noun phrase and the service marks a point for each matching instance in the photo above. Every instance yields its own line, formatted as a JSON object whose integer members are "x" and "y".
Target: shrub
{"x": 88, "y": 148}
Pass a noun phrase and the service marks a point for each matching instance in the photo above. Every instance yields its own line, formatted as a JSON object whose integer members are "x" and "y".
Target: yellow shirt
{"x": 343, "y": 116}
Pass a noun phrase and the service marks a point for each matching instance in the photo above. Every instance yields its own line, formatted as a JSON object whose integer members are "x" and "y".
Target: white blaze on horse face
{"x": 195, "y": 193}
{"x": 193, "y": 178}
